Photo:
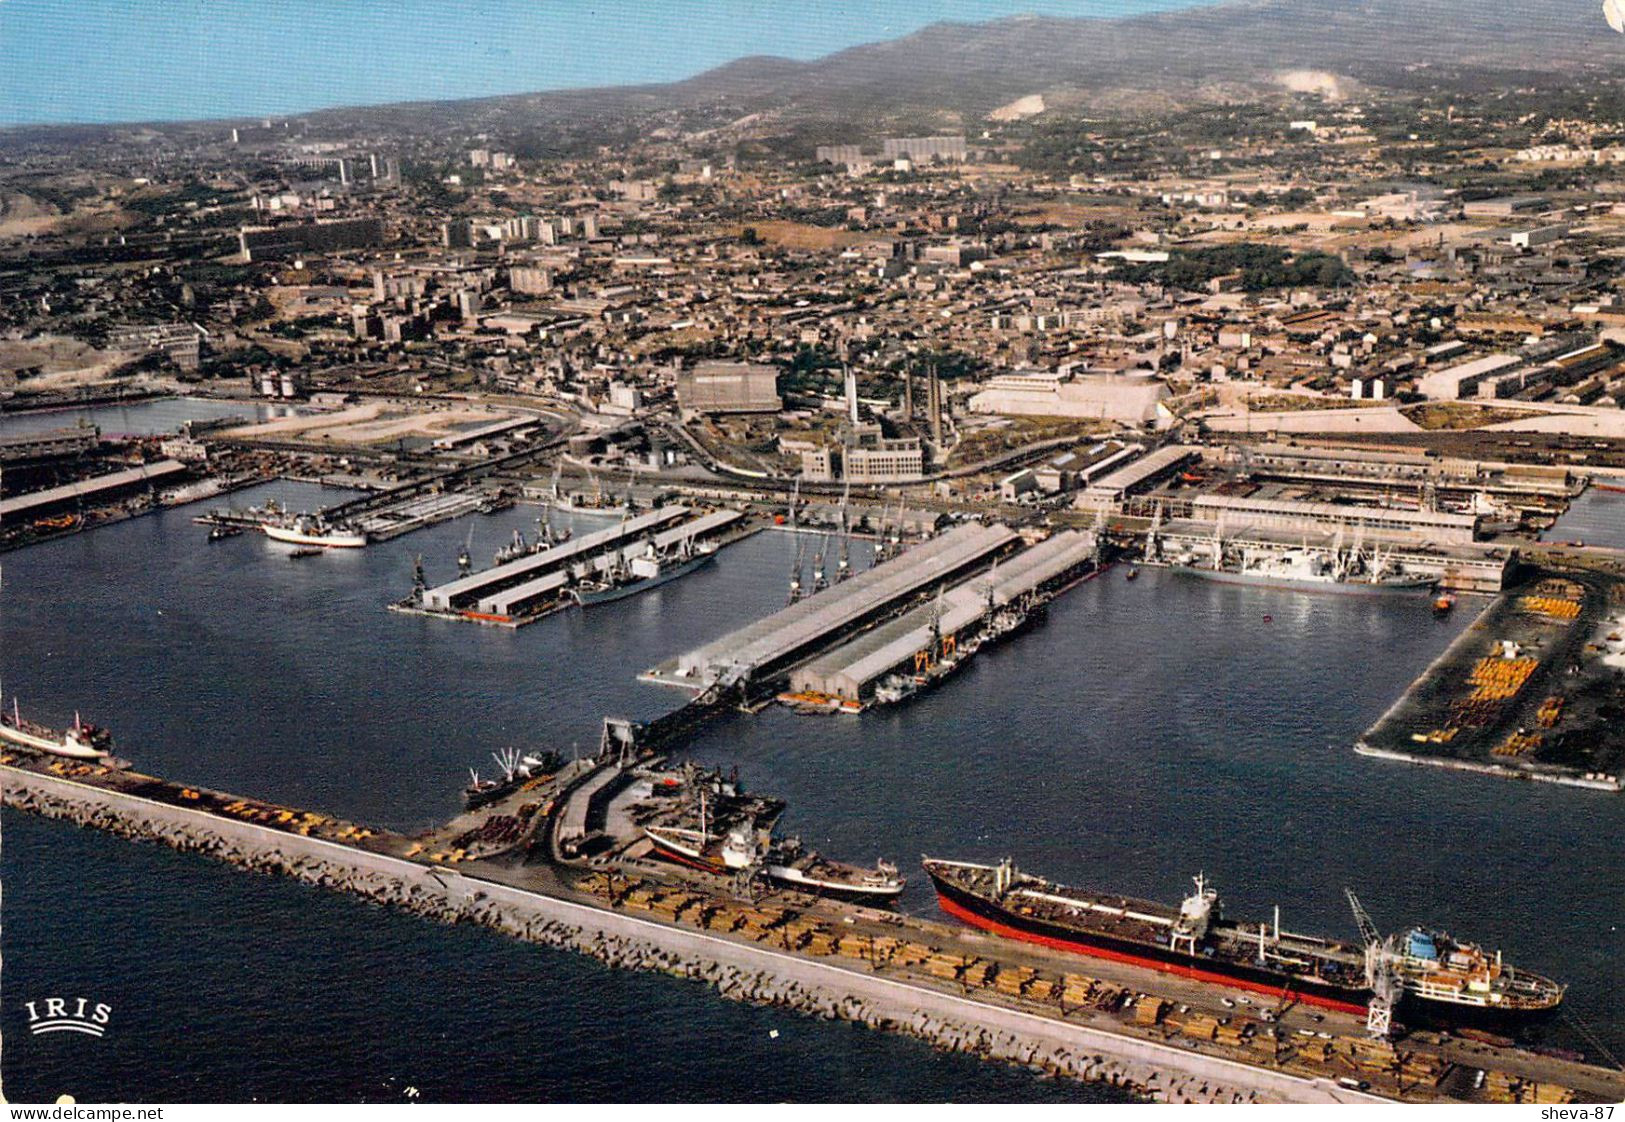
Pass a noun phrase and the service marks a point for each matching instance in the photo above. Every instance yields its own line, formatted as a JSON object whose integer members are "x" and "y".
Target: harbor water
{"x": 1140, "y": 733}
{"x": 153, "y": 417}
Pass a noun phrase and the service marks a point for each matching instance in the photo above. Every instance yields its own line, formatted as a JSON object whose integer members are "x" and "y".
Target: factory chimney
{"x": 851, "y": 395}
{"x": 934, "y": 406}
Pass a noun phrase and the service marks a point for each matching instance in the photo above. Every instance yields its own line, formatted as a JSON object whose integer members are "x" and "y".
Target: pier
{"x": 1157, "y": 1036}
{"x": 850, "y": 671}
{"x": 1526, "y": 692}
{"x": 98, "y": 486}
{"x": 760, "y": 650}
{"x": 502, "y": 589}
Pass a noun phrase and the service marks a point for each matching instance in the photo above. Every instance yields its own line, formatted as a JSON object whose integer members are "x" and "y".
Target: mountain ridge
{"x": 965, "y": 70}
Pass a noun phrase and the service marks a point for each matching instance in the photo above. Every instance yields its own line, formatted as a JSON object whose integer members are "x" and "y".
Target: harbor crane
{"x": 1380, "y": 975}
{"x": 795, "y": 574}
{"x": 843, "y": 567}
{"x": 820, "y": 581}
{"x": 1153, "y": 536}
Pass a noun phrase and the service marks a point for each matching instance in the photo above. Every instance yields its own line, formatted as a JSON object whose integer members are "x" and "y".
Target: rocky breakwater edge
{"x": 451, "y": 897}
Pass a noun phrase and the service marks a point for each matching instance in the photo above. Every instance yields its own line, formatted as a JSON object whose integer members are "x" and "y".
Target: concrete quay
{"x": 541, "y": 904}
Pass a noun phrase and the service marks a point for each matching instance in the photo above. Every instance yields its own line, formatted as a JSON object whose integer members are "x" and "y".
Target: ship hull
{"x": 971, "y": 909}
{"x": 793, "y": 878}
{"x": 621, "y": 592}
{"x": 325, "y": 541}
{"x": 56, "y": 747}
{"x": 1335, "y": 588}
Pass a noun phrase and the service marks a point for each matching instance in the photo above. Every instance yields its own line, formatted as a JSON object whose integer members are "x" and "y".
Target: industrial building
{"x": 1374, "y": 467}
{"x": 1237, "y": 512}
{"x": 851, "y": 670}
{"x": 729, "y": 387}
{"x": 1106, "y": 491}
{"x": 1126, "y": 399}
{"x": 181, "y": 343}
{"x": 271, "y": 243}
{"x": 771, "y": 645}
{"x": 1462, "y": 380}
{"x": 98, "y": 487}
{"x": 922, "y": 148}
{"x": 52, "y": 444}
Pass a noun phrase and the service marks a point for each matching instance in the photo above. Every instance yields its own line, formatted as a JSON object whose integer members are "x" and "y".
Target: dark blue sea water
{"x": 1143, "y": 732}
{"x": 1596, "y": 518}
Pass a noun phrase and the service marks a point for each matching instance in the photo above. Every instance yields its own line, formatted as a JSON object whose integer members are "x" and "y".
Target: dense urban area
{"x": 1332, "y": 338}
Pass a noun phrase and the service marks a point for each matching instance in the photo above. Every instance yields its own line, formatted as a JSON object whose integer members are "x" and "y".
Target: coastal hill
{"x": 970, "y": 69}
{"x": 962, "y": 71}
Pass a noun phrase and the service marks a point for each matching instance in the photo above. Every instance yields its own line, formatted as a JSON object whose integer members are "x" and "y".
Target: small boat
{"x": 792, "y": 865}
{"x": 221, "y": 533}
{"x": 1133, "y": 574}
{"x": 80, "y": 741}
{"x": 1612, "y": 488}
{"x": 1444, "y": 605}
{"x": 304, "y": 551}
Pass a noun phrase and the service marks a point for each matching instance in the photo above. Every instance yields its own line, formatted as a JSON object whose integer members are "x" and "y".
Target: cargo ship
{"x": 792, "y": 865}
{"x": 79, "y": 741}
{"x": 308, "y": 530}
{"x": 643, "y": 573}
{"x": 1309, "y": 570}
{"x": 1440, "y": 979}
{"x": 516, "y": 769}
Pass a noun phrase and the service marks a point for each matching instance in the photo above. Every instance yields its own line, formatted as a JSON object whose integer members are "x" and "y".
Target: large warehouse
{"x": 729, "y": 387}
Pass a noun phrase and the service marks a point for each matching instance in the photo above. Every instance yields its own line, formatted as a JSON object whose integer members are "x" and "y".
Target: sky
{"x": 149, "y": 60}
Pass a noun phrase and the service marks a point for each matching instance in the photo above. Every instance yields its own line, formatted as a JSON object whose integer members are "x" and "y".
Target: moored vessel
{"x": 313, "y": 531}
{"x": 80, "y": 741}
{"x": 1439, "y": 979}
{"x": 792, "y": 865}
{"x": 1310, "y": 570}
{"x": 643, "y": 573}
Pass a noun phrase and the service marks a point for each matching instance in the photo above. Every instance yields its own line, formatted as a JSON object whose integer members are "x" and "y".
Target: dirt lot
{"x": 373, "y": 423}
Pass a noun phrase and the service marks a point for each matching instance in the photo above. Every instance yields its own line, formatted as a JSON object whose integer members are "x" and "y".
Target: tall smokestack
{"x": 851, "y": 395}
{"x": 935, "y": 406}
{"x": 908, "y": 392}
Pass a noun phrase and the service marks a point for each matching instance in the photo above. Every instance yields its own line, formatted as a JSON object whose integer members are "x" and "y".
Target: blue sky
{"x": 141, "y": 60}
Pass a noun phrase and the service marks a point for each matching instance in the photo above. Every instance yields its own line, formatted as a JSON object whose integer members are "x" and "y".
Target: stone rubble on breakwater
{"x": 450, "y": 899}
